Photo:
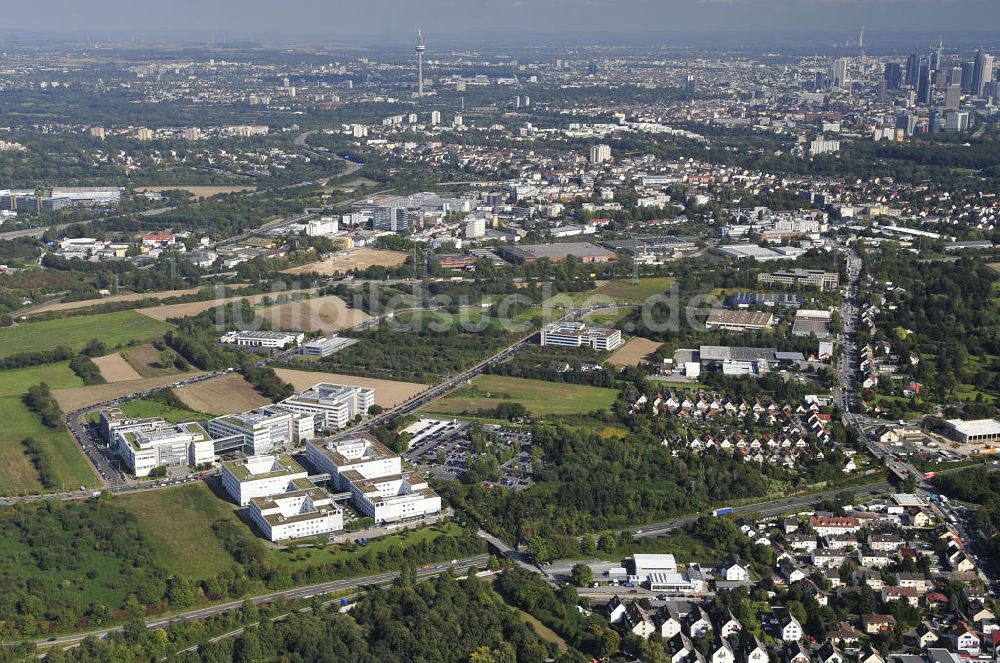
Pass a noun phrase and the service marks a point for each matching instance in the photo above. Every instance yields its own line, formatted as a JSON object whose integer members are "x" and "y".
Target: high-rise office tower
{"x": 912, "y": 69}
{"x": 838, "y": 73}
{"x": 420, "y": 62}
{"x": 953, "y": 98}
{"x": 982, "y": 72}
{"x": 893, "y": 75}
{"x": 937, "y": 56}
{"x": 924, "y": 82}
{"x": 967, "y": 70}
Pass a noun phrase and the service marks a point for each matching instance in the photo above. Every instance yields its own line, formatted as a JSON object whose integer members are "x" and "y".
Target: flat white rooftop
{"x": 976, "y": 426}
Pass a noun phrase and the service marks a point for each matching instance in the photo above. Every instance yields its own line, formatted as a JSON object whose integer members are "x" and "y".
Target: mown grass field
{"x": 312, "y": 556}
{"x": 112, "y": 328}
{"x": 538, "y": 396}
{"x": 178, "y": 521}
{"x": 17, "y": 474}
{"x": 472, "y": 315}
{"x": 624, "y": 291}
{"x": 145, "y": 408}
{"x": 607, "y": 317}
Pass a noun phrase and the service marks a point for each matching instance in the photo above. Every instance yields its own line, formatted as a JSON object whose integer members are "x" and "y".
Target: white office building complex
{"x": 578, "y": 335}
{"x": 262, "y": 339}
{"x": 154, "y": 443}
{"x": 262, "y": 476}
{"x": 326, "y": 346}
{"x": 375, "y": 478}
{"x": 332, "y": 405}
{"x": 296, "y": 514}
{"x": 264, "y": 429}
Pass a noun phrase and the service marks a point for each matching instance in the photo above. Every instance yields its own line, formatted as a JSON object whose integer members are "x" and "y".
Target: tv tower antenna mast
{"x": 420, "y": 62}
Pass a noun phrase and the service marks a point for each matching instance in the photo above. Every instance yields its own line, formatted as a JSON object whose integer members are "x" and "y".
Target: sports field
{"x": 388, "y": 393}
{"x": 538, "y": 396}
{"x": 225, "y": 395}
{"x": 355, "y": 259}
{"x": 178, "y": 522}
{"x": 112, "y": 328}
{"x": 17, "y": 474}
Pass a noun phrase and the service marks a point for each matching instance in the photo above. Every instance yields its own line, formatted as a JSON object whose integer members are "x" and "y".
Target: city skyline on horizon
{"x": 393, "y": 22}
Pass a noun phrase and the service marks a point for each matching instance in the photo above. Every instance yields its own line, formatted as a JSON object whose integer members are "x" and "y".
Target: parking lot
{"x": 444, "y": 449}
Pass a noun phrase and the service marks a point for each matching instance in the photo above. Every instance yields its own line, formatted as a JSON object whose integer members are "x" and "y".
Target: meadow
{"x": 178, "y": 522}
{"x": 538, "y": 396}
{"x": 112, "y": 328}
{"x": 17, "y": 475}
{"x": 621, "y": 291}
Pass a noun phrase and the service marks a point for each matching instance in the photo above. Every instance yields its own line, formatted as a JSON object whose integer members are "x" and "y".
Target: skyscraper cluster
{"x": 925, "y": 73}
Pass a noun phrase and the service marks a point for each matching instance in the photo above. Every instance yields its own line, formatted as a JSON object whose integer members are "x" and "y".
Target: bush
{"x": 87, "y": 370}
{"x": 39, "y": 399}
{"x": 39, "y": 457}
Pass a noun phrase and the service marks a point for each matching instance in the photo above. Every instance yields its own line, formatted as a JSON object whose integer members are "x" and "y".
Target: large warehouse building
{"x": 583, "y": 251}
{"x": 977, "y": 431}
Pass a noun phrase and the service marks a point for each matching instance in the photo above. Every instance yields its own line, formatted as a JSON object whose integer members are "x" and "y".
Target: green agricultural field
{"x": 538, "y": 396}
{"x": 112, "y": 328}
{"x": 17, "y": 475}
{"x": 146, "y": 408}
{"x": 178, "y": 521}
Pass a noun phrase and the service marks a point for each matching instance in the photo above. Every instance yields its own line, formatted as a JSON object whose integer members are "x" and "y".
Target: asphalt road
{"x": 306, "y": 592}
{"x": 453, "y": 382}
{"x": 773, "y": 508}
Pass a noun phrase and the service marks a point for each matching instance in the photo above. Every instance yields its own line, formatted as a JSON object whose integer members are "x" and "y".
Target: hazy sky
{"x": 392, "y": 19}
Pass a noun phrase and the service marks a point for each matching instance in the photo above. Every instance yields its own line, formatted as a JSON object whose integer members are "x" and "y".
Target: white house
{"x": 734, "y": 569}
